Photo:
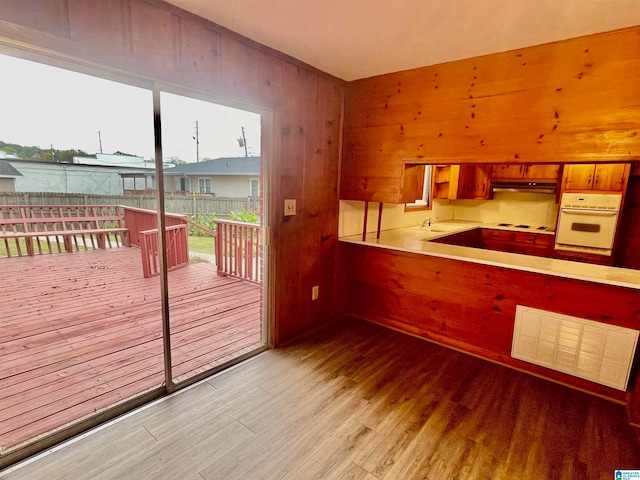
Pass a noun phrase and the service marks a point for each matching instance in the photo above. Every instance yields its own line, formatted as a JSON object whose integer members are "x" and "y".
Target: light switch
{"x": 289, "y": 206}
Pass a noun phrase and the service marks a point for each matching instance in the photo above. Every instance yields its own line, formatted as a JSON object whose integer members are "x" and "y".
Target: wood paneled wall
{"x": 471, "y": 307}
{"x": 569, "y": 101}
{"x": 156, "y": 41}
{"x": 628, "y": 251}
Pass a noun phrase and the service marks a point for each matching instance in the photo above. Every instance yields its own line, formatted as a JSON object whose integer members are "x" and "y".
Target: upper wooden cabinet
{"x": 600, "y": 177}
{"x": 534, "y": 173}
{"x": 382, "y": 185}
{"x": 460, "y": 182}
{"x": 444, "y": 181}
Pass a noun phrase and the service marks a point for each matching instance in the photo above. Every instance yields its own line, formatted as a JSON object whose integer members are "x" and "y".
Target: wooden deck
{"x": 82, "y": 331}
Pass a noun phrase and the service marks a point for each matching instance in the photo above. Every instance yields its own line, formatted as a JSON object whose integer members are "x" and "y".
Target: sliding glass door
{"x": 212, "y": 158}
{"x": 132, "y": 248}
{"x": 80, "y": 332}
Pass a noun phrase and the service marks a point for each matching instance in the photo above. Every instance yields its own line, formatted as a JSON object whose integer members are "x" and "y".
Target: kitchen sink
{"x": 440, "y": 228}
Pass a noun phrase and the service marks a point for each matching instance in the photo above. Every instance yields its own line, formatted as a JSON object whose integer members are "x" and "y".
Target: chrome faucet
{"x": 427, "y": 222}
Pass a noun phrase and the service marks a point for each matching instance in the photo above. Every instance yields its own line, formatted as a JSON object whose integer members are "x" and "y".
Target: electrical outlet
{"x": 289, "y": 206}
{"x": 315, "y": 292}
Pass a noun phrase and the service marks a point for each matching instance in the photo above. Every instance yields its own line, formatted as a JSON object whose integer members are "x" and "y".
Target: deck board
{"x": 83, "y": 331}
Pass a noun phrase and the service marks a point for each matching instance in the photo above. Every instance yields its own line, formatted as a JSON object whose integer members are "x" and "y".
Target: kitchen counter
{"x": 416, "y": 240}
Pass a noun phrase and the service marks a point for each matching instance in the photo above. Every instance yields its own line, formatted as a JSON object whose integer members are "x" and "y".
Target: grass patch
{"x": 196, "y": 244}
{"x": 201, "y": 244}
{"x": 13, "y": 249}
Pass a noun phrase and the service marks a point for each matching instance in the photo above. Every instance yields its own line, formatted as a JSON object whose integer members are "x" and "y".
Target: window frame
{"x": 206, "y": 182}
{"x": 252, "y": 182}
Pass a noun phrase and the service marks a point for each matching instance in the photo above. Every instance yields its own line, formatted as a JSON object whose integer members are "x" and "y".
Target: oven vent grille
{"x": 583, "y": 348}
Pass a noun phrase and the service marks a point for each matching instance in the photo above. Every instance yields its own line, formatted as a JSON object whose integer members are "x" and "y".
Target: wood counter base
{"x": 471, "y": 307}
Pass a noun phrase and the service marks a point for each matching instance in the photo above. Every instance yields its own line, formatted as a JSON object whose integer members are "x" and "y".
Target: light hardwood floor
{"x": 357, "y": 401}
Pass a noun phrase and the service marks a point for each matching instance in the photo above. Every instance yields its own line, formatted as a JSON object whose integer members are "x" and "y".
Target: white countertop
{"x": 412, "y": 240}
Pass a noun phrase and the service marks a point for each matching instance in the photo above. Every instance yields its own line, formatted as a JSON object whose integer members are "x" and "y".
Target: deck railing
{"x": 40, "y": 229}
{"x": 238, "y": 245}
{"x": 143, "y": 227}
{"x": 139, "y": 220}
{"x": 239, "y": 250}
{"x": 176, "y": 245}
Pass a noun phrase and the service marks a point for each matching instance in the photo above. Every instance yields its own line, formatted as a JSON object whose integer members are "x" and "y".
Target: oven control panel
{"x": 591, "y": 201}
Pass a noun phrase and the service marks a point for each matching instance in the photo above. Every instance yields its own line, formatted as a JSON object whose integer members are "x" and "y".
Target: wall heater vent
{"x": 583, "y": 348}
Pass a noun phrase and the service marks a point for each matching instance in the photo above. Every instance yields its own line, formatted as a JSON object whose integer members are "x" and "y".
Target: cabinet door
{"x": 610, "y": 177}
{"x": 474, "y": 182}
{"x": 482, "y": 181}
{"x": 499, "y": 240}
{"x": 507, "y": 172}
{"x": 542, "y": 172}
{"x": 578, "y": 176}
{"x": 412, "y": 183}
{"x": 529, "y": 243}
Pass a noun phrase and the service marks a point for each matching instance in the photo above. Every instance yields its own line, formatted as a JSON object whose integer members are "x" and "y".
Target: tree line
{"x": 45, "y": 155}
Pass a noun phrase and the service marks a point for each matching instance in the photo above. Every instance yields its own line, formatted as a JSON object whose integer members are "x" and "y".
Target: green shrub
{"x": 245, "y": 216}
{"x": 206, "y": 221}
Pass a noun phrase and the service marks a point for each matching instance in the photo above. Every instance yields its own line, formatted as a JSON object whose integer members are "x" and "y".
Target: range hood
{"x": 528, "y": 187}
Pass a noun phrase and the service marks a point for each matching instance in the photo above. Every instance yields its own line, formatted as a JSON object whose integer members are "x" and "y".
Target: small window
{"x": 254, "y": 188}
{"x": 205, "y": 185}
{"x": 422, "y": 203}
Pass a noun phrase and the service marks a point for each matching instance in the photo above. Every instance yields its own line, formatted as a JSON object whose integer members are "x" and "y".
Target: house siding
{"x": 69, "y": 178}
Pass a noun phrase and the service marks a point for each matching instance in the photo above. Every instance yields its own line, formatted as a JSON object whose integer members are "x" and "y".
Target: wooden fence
{"x": 178, "y": 204}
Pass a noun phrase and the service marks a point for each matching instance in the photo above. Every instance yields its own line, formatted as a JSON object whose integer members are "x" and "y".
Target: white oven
{"x": 587, "y": 222}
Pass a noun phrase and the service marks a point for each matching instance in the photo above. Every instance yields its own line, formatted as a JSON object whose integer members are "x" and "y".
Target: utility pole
{"x": 197, "y": 139}
{"x": 243, "y": 143}
{"x": 100, "y": 140}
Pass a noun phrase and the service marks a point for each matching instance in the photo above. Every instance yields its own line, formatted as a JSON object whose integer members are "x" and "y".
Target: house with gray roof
{"x": 52, "y": 177}
{"x": 8, "y": 176}
{"x": 222, "y": 177}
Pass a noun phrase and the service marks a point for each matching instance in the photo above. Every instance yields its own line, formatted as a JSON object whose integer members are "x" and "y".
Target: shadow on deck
{"x": 83, "y": 331}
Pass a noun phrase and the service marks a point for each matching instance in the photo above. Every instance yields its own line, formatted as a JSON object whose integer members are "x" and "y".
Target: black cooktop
{"x": 521, "y": 226}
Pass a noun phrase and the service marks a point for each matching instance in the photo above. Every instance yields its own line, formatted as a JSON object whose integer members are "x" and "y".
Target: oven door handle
{"x": 599, "y": 213}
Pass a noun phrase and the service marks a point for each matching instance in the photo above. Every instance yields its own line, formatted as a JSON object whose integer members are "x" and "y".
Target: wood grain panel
{"x": 628, "y": 253}
{"x": 199, "y": 51}
{"x": 111, "y": 30}
{"x": 50, "y": 16}
{"x": 472, "y": 307}
{"x": 268, "y": 79}
{"x": 289, "y": 251}
{"x": 153, "y": 32}
{"x": 237, "y": 68}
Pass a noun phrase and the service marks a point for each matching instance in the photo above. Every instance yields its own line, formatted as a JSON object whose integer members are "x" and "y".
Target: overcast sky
{"x": 46, "y": 106}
